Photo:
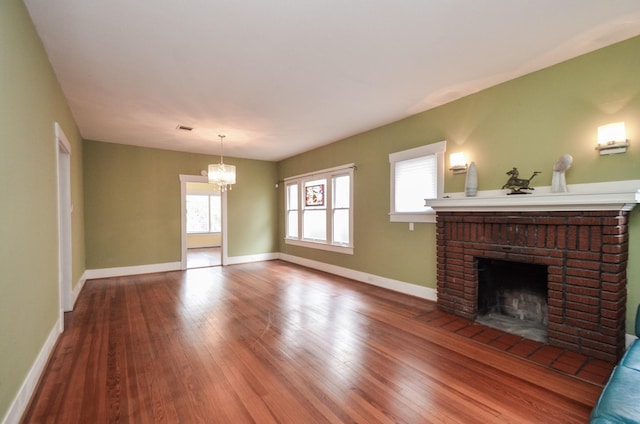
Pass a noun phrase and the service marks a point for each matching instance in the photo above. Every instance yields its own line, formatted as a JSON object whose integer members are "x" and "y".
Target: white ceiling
{"x": 280, "y": 77}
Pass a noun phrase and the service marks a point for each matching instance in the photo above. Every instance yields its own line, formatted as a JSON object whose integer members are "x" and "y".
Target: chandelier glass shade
{"x": 221, "y": 174}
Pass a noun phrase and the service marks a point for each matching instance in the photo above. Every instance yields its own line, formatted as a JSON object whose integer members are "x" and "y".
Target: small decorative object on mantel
{"x": 558, "y": 182}
{"x": 471, "y": 181}
{"x": 517, "y": 185}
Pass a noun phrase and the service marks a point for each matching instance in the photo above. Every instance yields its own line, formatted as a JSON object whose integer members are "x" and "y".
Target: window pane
{"x": 292, "y": 224}
{"x": 292, "y": 196}
{"x": 314, "y": 224}
{"x": 197, "y": 214}
{"x": 341, "y": 226}
{"x": 415, "y": 180}
{"x": 341, "y": 191}
{"x": 314, "y": 193}
{"x": 216, "y": 219}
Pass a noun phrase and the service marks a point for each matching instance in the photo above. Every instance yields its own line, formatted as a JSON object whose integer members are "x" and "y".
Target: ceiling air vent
{"x": 184, "y": 128}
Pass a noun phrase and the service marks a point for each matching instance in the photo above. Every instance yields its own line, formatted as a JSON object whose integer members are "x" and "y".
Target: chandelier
{"x": 220, "y": 174}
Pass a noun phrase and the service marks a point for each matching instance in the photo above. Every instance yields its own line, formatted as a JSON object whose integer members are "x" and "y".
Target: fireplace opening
{"x": 512, "y": 297}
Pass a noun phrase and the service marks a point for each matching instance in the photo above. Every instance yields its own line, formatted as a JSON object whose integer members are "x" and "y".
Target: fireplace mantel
{"x": 616, "y": 195}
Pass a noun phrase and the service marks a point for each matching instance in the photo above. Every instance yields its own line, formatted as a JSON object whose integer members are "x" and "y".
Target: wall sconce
{"x": 458, "y": 163}
{"x": 612, "y": 139}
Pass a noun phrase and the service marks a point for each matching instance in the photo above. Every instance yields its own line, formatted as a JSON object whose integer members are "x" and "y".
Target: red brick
{"x": 554, "y": 311}
{"x": 567, "y": 338}
{"x": 586, "y": 325}
{"x": 614, "y": 268}
{"x": 598, "y": 354}
{"x": 586, "y": 300}
{"x": 599, "y": 338}
{"x": 555, "y": 319}
{"x": 583, "y": 238}
{"x": 555, "y": 291}
{"x": 563, "y": 329}
{"x": 603, "y": 347}
{"x": 583, "y": 264}
{"x": 584, "y": 256}
{"x": 612, "y": 296}
{"x": 581, "y": 272}
{"x": 610, "y": 230}
{"x": 616, "y": 315}
{"x": 618, "y": 305}
{"x": 616, "y": 239}
{"x": 613, "y": 278}
{"x": 556, "y": 270}
{"x": 615, "y": 221}
{"x": 581, "y": 307}
{"x": 555, "y": 300}
{"x": 588, "y": 317}
{"x": 583, "y": 221}
{"x": 583, "y": 282}
{"x": 614, "y": 258}
{"x": 584, "y": 291}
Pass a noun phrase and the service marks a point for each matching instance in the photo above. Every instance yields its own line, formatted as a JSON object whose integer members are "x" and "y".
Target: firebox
{"x": 512, "y": 297}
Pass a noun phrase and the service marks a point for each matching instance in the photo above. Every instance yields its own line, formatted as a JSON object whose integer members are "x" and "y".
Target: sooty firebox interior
{"x": 512, "y": 296}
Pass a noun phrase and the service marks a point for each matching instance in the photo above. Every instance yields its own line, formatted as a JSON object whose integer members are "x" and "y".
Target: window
{"x": 203, "y": 214}
{"x": 416, "y": 174}
{"x": 319, "y": 209}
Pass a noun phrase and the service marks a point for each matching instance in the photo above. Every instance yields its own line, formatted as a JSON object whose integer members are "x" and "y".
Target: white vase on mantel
{"x": 471, "y": 182}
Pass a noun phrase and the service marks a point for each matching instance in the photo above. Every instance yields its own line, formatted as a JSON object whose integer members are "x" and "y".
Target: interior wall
{"x": 31, "y": 102}
{"x": 132, "y": 204}
{"x": 528, "y": 123}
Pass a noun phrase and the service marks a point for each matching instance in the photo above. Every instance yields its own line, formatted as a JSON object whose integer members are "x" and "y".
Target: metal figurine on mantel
{"x": 518, "y": 184}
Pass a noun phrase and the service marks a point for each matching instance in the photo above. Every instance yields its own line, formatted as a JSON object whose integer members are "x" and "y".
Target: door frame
{"x": 65, "y": 209}
{"x": 184, "y": 179}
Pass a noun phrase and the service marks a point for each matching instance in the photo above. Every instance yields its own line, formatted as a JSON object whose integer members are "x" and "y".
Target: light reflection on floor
{"x": 203, "y": 257}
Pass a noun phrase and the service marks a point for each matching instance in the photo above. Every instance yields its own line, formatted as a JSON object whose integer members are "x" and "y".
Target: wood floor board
{"x": 273, "y": 342}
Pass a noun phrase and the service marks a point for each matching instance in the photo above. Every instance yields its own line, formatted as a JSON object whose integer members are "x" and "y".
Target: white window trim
{"x": 429, "y": 214}
{"x": 328, "y": 173}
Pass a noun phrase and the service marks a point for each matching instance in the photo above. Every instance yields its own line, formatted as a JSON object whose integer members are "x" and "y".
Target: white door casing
{"x": 184, "y": 179}
{"x": 63, "y": 159}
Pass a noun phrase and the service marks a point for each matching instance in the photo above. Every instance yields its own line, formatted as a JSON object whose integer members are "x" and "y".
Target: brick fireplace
{"x": 585, "y": 253}
{"x": 586, "y": 256}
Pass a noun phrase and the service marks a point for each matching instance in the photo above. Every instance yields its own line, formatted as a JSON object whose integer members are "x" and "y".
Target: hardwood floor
{"x": 272, "y": 342}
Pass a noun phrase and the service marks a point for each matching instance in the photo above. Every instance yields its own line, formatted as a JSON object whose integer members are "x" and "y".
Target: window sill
{"x": 318, "y": 245}
{"x": 429, "y": 217}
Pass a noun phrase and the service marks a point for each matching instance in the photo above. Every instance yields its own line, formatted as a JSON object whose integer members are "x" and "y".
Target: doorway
{"x": 63, "y": 158}
{"x": 204, "y": 223}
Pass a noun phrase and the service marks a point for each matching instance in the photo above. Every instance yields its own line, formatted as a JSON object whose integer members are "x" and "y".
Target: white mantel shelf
{"x": 616, "y": 195}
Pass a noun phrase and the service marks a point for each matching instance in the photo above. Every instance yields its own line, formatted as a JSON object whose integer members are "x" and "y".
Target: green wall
{"x": 528, "y": 122}
{"x": 30, "y": 102}
{"x": 132, "y": 198}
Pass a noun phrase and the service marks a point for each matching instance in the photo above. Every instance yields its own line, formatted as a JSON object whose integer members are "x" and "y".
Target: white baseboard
{"x": 375, "y": 280}
{"x": 131, "y": 270}
{"x": 20, "y": 402}
{"x": 234, "y": 260}
{"x": 78, "y": 289}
